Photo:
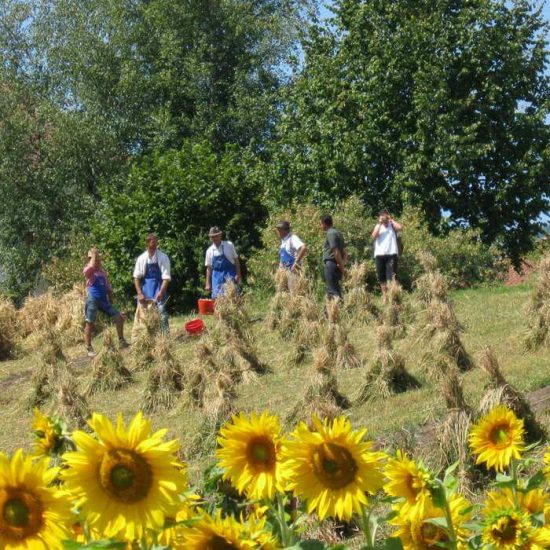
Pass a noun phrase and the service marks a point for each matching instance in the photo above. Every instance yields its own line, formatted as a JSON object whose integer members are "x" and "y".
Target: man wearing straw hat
{"x": 222, "y": 263}
{"x": 99, "y": 298}
{"x": 291, "y": 252}
{"x": 151, "y": 279}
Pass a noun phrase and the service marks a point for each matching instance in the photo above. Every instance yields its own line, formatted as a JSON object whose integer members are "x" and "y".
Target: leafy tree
{"x": 440, "y": 105}
{"x": 178, "y": 194}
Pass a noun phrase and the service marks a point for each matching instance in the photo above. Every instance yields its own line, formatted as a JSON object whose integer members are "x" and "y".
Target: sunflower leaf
{"x": 535, "y": 481}
{"x": 439, "y": 522}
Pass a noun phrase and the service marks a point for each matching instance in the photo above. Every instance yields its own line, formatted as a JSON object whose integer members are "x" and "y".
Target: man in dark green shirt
{"x": 334, "y": 257}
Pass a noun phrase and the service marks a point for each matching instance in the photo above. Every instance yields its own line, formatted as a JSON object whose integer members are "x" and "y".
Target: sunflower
{"x": 418, "y": 534}
{"x": 497, "y": 438}
{"x": 188, "y": 509}
{"x": 409, "y": 481}
{"x": 259, "y": 533}
{"x": 126, "y": 480}
{"x": 533, "y": 502}
{"x": 212, "y": 533}
{"x": 33, "y": 515}
{"x": 48, "y": 435}
{"x": 332, "y": 467}
{"x": 508, "y": 529}
{"x": 249, "y": 448}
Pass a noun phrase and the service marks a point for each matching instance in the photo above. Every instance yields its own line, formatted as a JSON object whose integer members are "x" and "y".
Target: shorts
{"x": 386, "y": 267}
{"x": 93, "y": 305}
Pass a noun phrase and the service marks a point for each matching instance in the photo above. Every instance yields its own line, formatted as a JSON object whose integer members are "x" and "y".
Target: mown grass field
{"x": 491, "y": 316}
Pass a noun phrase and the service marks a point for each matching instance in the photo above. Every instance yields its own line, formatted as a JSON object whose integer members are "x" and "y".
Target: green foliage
{"x": 178, "y": 195}
{"x": 439, "y": 105}
{"x": 460, "y": 254}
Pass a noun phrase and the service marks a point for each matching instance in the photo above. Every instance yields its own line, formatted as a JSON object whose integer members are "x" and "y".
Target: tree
{"x": 178, "y": 194}
{"x": 440, "y": 105}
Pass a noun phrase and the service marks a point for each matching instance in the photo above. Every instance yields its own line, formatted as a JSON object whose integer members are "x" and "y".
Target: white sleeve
{"x": 139, "y": 269}
{"x": 297, "y": 243}
{"x": 164, "y": 265}
{"x": 208, "y": 258}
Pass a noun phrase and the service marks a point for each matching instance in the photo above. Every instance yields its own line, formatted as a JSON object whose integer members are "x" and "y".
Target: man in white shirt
{"x": 291, "y": 252}
{"x": 152, "y": 277}
{"x": 222, "y": 263}
{"x": 386, "y": 251}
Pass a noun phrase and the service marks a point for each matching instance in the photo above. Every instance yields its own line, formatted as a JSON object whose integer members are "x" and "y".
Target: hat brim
{"x": 215, "y": 234}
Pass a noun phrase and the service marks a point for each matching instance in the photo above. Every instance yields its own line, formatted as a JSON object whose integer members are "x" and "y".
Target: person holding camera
{"x": 386, "y": 249}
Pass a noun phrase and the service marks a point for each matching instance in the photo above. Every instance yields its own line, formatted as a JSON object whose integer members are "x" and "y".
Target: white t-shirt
{"x": 386, "y": 242}
{"x": 292, "y": 244}
{"x": 228, "y": 250}
{"x": 158, "y": 257}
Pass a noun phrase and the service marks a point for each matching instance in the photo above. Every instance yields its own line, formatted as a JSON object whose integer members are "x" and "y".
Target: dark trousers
{"x": 386, "y": 268}
{"x": 332, "y": 279}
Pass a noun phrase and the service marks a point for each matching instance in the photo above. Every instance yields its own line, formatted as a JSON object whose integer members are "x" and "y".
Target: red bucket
{"x": 206, "y": 306}
{"x": 196, "y": 326}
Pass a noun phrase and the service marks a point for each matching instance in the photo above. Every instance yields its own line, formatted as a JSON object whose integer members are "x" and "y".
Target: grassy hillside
{"x": 491, "y": 316}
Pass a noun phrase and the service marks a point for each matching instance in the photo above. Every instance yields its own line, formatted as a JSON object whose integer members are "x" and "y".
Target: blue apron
{"x": 152, "y": 281}
{"x": 222, "y": 270}
{"x": 99, "y": 289}
{"x": 286, "y": 258}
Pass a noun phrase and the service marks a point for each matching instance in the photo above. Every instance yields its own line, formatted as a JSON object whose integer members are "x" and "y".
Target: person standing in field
{"x": 221, "y": 262}
{"x": 100, "y": 298}
{"x": 291, "y": 252}
{"x": 334, "y": 258}
{"x": 151, "y": 279}
{"x": 386, "y": 249}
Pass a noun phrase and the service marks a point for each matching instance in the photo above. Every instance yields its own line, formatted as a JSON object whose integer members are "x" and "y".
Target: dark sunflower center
{"x": 261, "y": 453}
{"x": 16, "y": 513}
{"x": 125, "y": 475}
{"x": 500, "y": 435}
{"x": 21, "y": 514}
{"x": 506, "y": 530}
{"x": 219, "y": 543}
{"x": 334, "y": 465}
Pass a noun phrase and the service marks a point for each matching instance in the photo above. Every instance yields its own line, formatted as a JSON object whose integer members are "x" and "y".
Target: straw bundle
{"x": 538, "y": 310}
{"x": 165, "y": 380}
{"x": 321, "y": 395}
{"x": 70, "y": 315}
{"x": 10, "y": 333}
{"x": 71, "y": 404}
{"x": 430, "y": 287}
{"x": 336, "y": 339}
{"x": 219, "y": 407}
{"x": 500, "y": 392}
{"x": 387, "y": 374}
{"x": 427, "y": 260}
{"x": 52, "y": 360}
{"x": 358, "y": 303}
{"x": 306, "y": 336}
{"x": 142, "y": 351}
{"x": 392, "y": 314}
{"x": 108, "y": 370}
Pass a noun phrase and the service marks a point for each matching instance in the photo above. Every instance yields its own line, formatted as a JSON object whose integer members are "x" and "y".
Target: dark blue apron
{"x": 286, "y": 258}
{"x": 152, "y": 281}
{"x": 222, "y": 270}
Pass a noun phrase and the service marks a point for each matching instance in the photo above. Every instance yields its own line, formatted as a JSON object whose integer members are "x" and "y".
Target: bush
{"x": 178, "y": 194}
{"x": 460, "y": 254}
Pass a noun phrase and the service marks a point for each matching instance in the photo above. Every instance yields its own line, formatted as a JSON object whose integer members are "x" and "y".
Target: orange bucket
{"x": 196, "y": 326}
{"x": 206, "y": 306}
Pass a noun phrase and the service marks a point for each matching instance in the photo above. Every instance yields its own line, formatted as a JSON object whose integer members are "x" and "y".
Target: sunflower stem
{"x": 514, "y": 476}
{"x": 449, "y": 518}
{"x": 286, "y": 533}
{"x": 366, "y": 524}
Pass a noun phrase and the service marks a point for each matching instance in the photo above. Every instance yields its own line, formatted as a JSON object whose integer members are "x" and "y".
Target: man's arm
{"x": 238, "y": 268}
{"x": 301, "y": 253}
{"x": 93, "y": 258}
{"x": 208, "y": 278}
{"x": 376, "y": 230}
{"x": 396, "y": 225}
{"x": 339, "y": 260}
{"x": 163, "y": 288}
{"x": 137, "y": 285}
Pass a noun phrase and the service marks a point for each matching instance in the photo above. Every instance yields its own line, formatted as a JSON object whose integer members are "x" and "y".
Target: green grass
{"x": 491, "y": 316}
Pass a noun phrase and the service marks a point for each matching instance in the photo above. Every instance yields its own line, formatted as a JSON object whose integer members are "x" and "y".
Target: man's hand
{"x": 237, "y": 278}
{"x": 343, "y": 271}
{"x": 159, "y": 296}
{"x": 141, "y": 298}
